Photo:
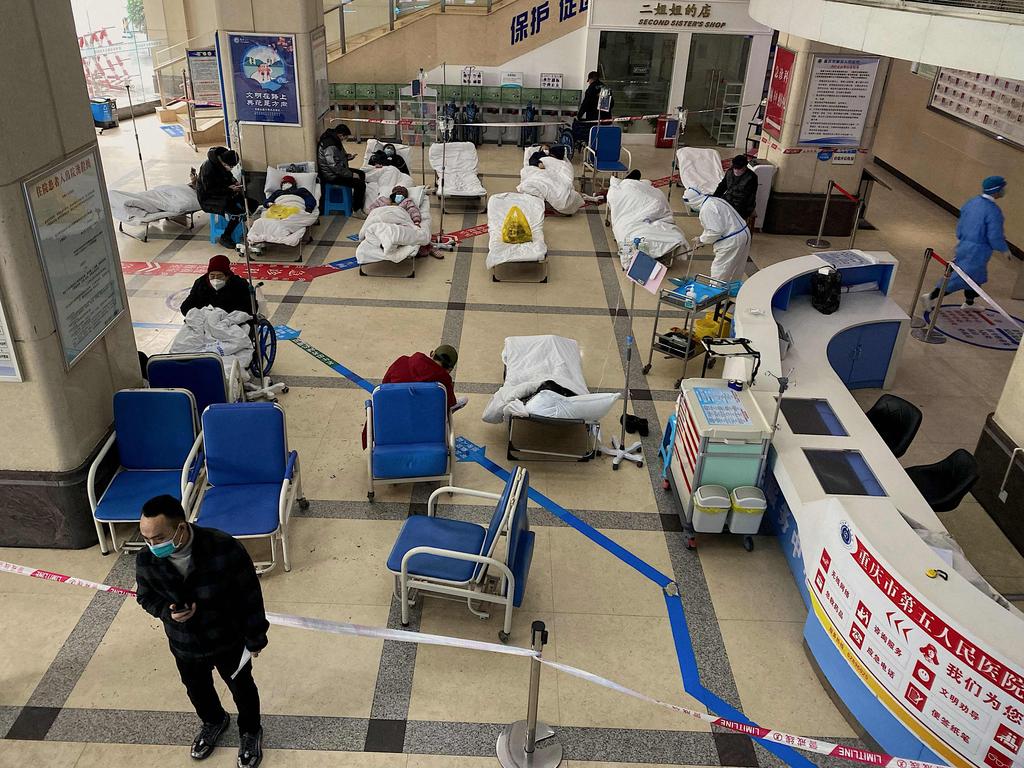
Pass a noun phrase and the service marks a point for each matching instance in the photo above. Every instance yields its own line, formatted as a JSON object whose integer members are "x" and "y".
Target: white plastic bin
{"x": 747, "y": 508}
{"x": 711, "y": 506}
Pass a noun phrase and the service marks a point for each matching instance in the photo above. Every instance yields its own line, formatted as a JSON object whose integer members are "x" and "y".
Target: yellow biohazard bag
{"x": 280, "y": 211}
{"x": 516, "y": 229}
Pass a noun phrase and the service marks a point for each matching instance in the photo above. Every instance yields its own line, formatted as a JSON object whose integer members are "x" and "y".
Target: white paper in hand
{"x": 246, "y": 656}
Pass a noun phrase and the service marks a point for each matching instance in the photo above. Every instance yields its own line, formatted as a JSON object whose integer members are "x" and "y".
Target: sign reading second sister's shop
{"x": 678, "y": 15}
{"x": 713, "y": 16}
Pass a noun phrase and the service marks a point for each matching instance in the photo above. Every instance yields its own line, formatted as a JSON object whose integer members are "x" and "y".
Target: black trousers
{"x": 197, "y": 675}
{"x": 969, "y": 295}
{"x": 357, "y": 183}
{"x": 235, "y": 210}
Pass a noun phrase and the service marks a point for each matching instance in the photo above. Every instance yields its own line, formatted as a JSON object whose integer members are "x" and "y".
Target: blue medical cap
{"x": 993, "y": 183}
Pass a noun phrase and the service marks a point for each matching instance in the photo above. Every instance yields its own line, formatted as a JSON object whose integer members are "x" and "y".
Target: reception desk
{"x": 929, "y": 665}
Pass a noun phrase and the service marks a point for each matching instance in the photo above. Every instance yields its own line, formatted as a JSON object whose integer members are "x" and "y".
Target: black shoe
{"x": 250, "y": 749}
{"x": 226, "y": 242}
{"x": 206, "y": 739}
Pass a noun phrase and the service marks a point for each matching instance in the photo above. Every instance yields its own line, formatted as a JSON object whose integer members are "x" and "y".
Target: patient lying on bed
{"x": 290, "y": 187}
{"x": 400, "y": 197}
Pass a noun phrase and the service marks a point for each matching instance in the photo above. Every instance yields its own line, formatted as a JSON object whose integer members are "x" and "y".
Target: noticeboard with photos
{"x": 993, "y": 105}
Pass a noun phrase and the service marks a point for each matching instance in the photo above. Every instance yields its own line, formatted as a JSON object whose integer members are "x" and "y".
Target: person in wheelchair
{"x": 219, "y": 287}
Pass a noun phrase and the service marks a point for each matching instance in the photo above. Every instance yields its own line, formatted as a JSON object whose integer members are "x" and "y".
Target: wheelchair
{"x": 572, "y": 136}
{"x": 264, "y": 339}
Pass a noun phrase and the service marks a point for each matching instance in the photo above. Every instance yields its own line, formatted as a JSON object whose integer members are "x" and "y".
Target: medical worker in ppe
{"x": 726, "y": 232}
{"x": 979, "y": 232}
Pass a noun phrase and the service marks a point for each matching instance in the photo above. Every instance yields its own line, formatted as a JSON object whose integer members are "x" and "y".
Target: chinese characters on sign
{"x": 678, "y": 15}
{"x": 9, "y": 370}
{"x": 993, "y": 105}
{"x": 551, "y": 80}
{"x": 528, "y": 23}
{"x": 204, "y": 76}
{"x": 838, "y": 97}
{"x": 778, "y": 93}
{"x": 472, "y": 76}
{"x": 264, "y": 76}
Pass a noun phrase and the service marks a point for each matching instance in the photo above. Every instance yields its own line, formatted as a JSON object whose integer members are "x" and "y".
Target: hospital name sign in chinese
{"x": 677, "y": 13}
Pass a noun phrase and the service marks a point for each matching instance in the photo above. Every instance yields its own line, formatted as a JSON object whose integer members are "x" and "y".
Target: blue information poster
{"x": 265, "y": 79}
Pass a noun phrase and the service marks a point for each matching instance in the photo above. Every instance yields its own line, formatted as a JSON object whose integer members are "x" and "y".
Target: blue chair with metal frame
{"x": 408, "y": 435}
{"x": 201, "y": 374}
{"x": 459, "y": 559}
{"x": 602, "y": 153}
{"x": 252, "y": 479}
{"x": 157, "y": 445}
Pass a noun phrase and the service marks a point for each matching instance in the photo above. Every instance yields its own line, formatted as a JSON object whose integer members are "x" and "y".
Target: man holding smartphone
{"x": 202, "y": 585}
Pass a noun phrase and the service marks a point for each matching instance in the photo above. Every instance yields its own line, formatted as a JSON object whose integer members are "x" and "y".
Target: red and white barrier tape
{"x": 818, "y": 746}
{"x": 978, "y": 290}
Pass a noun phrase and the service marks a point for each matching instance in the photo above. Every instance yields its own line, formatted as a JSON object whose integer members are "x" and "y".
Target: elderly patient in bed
{"x": 290, "y": 187}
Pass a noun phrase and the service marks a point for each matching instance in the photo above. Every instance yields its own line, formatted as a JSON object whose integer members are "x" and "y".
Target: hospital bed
{"x": 375, "y": 259}
{"x": 174, "y": 202}
{"x": 525, "y": 262}
{"x": 563, "y": 420}
{"x": 372, "y": 145}
{"x": 638, "y": 209}
{"x": 554, "y": 183}
{"x": 700, "y": 168}
{"x": 455, "y": 165}
{"x": 291, "y": 230}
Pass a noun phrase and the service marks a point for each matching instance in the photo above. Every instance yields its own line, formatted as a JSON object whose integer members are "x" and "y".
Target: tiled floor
{"x": 86, "y": 680}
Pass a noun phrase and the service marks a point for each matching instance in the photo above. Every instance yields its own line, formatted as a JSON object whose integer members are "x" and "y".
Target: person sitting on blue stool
{"x": 219, "y": 192}
{"x": 979, "y": 232}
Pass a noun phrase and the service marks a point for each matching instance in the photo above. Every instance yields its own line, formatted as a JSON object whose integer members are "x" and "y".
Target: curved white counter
{"x": 914, "y": 658}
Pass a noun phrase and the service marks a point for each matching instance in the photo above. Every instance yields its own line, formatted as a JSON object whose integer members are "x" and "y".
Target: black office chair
{"x": 945, "y": 483}
{"x": 896, "y": 420}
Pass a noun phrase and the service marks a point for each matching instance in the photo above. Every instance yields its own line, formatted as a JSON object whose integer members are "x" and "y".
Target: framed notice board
{"x": 990, "y": 104}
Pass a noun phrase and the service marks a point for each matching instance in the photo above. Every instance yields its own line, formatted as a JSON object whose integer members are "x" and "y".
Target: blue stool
{"x": 218, "y": 224}
{"x": 337, "y": 199}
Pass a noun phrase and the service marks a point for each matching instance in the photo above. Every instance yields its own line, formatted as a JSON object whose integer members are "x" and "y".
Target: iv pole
{"x": 619, "y": 451}
{"x": 138, "y": 146}
{"x": 444, "y": 129}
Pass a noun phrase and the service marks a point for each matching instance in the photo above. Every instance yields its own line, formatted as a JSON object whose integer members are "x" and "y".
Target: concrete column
{"x": 801, "y": 178}
{"x": 52, "y": 423}
{"x": 270, "y": 145}
{"x": 1009, "y": 413}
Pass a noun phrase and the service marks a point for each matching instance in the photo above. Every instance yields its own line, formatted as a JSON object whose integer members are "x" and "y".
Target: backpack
{"x": 826, "y": 288}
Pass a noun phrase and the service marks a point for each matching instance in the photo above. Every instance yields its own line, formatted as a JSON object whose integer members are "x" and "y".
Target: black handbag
{"x": 826, "y": 288}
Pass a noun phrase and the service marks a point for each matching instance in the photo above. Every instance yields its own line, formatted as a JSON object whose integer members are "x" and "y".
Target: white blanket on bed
{"x": 456, "y": 165}
{"x": 500, "y": 252}
{"x": 160, "y": 202}
{"x": 553, "y": 183}
{"x": 213, "y": 330}
{"x": 283, "y": 231}
{"x": 700, "y": 168}
{"x": 640, "y": 210}
{"x": 380, "y": 182}
{"x": 532, "y": 360}
{"x": 388, "y": 234}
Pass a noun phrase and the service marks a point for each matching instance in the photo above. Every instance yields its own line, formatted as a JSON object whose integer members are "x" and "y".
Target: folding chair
{"x": 252, "y": 479}
{"x": 201, "y": 374}
{"x": 458, "y": 559}
{"x": 602, "y": 153}
{"x": 157, "y": 445}
{"x": 409, "y": 435}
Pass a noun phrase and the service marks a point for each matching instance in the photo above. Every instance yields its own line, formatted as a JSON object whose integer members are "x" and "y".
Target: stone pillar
{"x": 270, "y": 144}
{"x": 801, "y": 179}
{"x": 53, "y": 422}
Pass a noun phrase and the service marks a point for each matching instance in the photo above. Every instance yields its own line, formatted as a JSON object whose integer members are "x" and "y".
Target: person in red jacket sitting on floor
{"x": 420, "y": 367}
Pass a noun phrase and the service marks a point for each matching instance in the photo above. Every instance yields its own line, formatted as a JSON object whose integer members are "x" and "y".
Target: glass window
{"x": 715, "y": 76}
{"x": 637, "y": 66}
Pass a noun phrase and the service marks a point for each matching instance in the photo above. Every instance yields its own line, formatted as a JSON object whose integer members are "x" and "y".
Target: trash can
{"x": 665, "y": 136}
{"x": 104, "y": 113}
{"x": 711, "y": 506}
{"x": 747, "y": 508}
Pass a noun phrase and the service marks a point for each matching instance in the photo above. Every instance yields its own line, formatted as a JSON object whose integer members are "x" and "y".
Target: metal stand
{"x": 138, "y": 146}
{"x": 265, "y": 388}
{"x": 928, "y": 335}
{"x": 819, "y": 241}
{"x": 618, "y": 450}
{"x": 445, "y": 126}
{"x": 919, "y": 322}
{"x": 681, "y": 116}
{"x": 518, "y": 745}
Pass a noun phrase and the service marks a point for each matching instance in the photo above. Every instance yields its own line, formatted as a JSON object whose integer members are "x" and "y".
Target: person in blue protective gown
{"x": 979, "y": 232}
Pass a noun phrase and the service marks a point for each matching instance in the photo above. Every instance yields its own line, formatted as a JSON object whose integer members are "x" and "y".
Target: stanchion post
{"x": 912, "y": 309}
{"x": 928, "y": 335}
{"x": 819, "y": 241}
{"x": 530, "y": 743}
{"x": 856, "y": 220}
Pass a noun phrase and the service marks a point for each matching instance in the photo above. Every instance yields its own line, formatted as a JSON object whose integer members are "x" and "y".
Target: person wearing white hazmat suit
{"x": 726, "y": 232}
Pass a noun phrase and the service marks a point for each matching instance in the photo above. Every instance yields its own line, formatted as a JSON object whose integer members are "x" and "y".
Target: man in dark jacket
{"x": 219, "y": 192}
{"x": 739, "y": 188}
{"x": 388, "y": 156}
{"x": 589, "y": 106}
{"x": 332, "y": 164}
{"x": 219, "y": 287}
{"x": 202, "y": 585}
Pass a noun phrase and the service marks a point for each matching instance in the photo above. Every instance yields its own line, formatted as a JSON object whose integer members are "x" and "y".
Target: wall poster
{"x": 265, "y": 78}
{"x": 204, "y": 76}
{"x": 990, "y": 104}
{"x": 9, "y": 370}
{"x": 838, "y": 97}
{"x": 778, "y": 93}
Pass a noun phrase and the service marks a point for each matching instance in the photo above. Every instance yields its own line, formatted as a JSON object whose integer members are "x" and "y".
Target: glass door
{"x": 637, "y": 66}
{"x": 713, "y": 94}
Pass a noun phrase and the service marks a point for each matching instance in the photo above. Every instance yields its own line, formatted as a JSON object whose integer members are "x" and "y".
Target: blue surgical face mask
{"x": 398, "y": 199}
{"x": 164, "y": 548}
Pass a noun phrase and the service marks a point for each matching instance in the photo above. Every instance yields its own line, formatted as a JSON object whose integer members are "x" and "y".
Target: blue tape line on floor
{"x": 343, "y": 264}
{"x": 693, "y": 686}
{"x": 333, "y": 364}
{"x": 472, "y": 452}
{"x": 286, "y": 332}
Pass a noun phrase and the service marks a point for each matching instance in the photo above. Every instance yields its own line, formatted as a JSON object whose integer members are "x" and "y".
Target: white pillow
{"x": 274, "y": 176}
{"x": 372, "y": 145}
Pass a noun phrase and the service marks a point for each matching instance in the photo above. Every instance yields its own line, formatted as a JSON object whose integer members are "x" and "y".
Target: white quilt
{"x": 700, "y": 168}
{"x": 388, "y": 234}
{"x": 553, "y": 183}
{"x": 456, "y": 165}
{"x": 161, "y": 202}
{"x": 213, "y": 330}
{"x": 532, "y": 360}
{"x": 283, "y": 231}
{"x": 380, "y": 182}
{"x": 639, "y": 209}
{"x": 499, "y": 252}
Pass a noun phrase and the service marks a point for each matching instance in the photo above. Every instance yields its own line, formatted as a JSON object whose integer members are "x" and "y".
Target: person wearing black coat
{"x": 739, "y": 188}
{"x": 388, "y": 156}
{"x": 219, "y": 192}
{"x": 588, "y": 107}
{"x": 332, "y": 164}
{"x": 219, "y": 287}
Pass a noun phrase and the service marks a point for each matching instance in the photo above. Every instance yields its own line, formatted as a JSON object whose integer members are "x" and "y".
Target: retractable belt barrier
{"x": 817, "y": 746}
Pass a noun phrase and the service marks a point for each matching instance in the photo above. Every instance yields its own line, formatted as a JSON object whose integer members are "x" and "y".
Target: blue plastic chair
{"x": 252, "y": 479}
{"x": 408, "y": 435}
{"x": 219, "y": 224}
{"x": 463, "y": 559}
{"x": 155, "y": 436}
{"x": 337, "y": 199}
{"x": 603, "y": 150}
{"x": 201, "y": 374}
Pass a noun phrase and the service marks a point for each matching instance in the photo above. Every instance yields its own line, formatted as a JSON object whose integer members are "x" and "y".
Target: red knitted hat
{"x": 219, "y": 263}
